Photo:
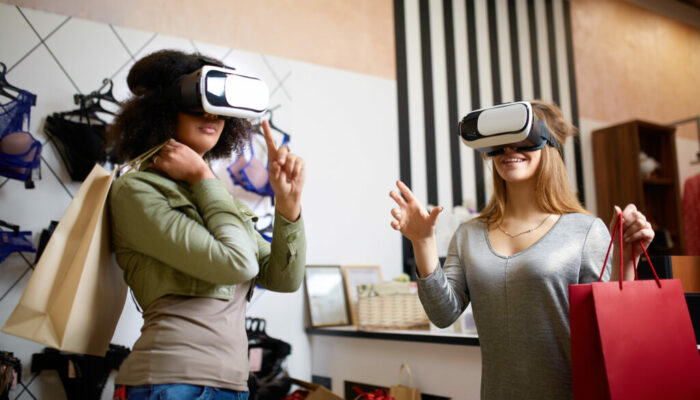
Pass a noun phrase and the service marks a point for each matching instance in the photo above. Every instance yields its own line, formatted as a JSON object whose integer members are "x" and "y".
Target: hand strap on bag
{"x": 408, "y": 372}
{"x": 136, "y": 162}
{"x": 618, "y": 223}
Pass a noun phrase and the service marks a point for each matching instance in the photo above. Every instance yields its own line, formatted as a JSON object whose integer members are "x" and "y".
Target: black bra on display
{"x": 81, "y": 135}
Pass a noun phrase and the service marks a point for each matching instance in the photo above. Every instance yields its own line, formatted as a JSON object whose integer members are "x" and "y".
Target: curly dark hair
{"x": 149, "y": 117}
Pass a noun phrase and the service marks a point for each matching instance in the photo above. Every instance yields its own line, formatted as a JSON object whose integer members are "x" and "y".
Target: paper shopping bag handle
{"x": 408, "y": 372}
{"x": 136, "y": 162}
{"x": 618, "y": 223}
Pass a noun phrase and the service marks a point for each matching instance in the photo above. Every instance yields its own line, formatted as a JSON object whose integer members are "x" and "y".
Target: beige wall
{"x": 634, "y": 64}
{"x": 630, "y": 62}
{"x": 355, "y": 35}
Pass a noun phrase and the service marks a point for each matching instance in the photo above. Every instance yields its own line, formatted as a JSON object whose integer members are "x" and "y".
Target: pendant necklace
{"x": 527, "y": 231}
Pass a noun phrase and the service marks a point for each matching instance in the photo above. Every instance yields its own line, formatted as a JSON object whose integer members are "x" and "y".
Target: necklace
{"x": 527, "y": 231}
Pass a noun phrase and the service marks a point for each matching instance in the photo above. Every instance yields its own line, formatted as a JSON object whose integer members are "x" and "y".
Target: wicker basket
{"x": 391, "y": 311}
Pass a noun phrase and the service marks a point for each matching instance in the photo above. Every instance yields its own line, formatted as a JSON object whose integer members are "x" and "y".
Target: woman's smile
{"x": 513, "y": 160}
{"x": 515, "y": 166}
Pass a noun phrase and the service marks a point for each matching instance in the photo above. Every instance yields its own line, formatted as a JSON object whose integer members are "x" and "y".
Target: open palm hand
{"x": 411, "y": 218}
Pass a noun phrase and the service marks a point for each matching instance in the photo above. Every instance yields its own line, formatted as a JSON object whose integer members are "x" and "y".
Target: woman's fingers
{"x": 410, "y": 218}
{"x": 181, "y": 162}
{"x": 298, "y": 170}
{"x": 645, "y": 235}
{"x": 616, "y": 212}
{"x": 281, "y": 155}
{"x": 271, "y": 148}
{"x": 640, "y": 230}
{"x": 632, "y": 221}
{"x": 432, "y": 218}
{"x": 292, "y": 166}
{"x": 405, "y": 191}
{"x": 169, "y": 150}
{"x": 275, "y": 171}
{"x": 289, "y": 166}
{"x": 400, "y": 219}
{"x": 635, "y": 226}
{"x": 629, "y": 217}
{"x": 398, "y": 199}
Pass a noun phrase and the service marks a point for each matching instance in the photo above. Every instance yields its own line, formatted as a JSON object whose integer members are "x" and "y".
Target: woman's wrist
{"x": 425, "y": 252}
{"x": 289, "y": 209}
{"x": 200, "y": 175}
{"x": 424, "y": 241}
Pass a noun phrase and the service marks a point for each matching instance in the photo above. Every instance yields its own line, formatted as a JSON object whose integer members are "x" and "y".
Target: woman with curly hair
{"x": 189, "y": 251}
{"x": 514, "y": 264}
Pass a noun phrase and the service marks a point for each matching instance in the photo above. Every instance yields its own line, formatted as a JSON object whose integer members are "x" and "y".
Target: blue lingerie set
{"x": 20, "y": 152}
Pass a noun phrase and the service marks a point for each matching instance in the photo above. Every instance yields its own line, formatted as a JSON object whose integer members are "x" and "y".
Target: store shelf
{"x": 620, "y": 181}
{"x": 423, "y": 336}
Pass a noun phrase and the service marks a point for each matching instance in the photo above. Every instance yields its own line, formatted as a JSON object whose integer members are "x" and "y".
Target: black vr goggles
{"x": 490, "y": 130}
{"x": 221, "y": 91}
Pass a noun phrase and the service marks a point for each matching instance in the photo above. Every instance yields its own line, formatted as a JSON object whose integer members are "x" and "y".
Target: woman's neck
{"x": 522, "y": 202}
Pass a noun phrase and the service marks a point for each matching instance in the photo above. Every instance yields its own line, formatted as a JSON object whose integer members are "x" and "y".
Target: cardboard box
{"x": 316, "y": 392}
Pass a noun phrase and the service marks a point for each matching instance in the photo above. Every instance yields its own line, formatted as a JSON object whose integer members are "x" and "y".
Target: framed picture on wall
{"x": 325, "y": 294}
{"x": 358, "y": 275}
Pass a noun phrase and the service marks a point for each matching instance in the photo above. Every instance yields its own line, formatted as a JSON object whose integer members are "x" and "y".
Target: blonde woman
{"x": 514, "y": 264}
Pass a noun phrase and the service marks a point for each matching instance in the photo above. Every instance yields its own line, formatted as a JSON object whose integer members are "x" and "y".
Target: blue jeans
{"x": 182, "y": 391}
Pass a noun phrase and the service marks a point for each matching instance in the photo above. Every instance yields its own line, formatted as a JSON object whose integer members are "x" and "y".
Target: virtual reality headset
{"x": 490, "y": 130}
{"x": 221, "y": 91}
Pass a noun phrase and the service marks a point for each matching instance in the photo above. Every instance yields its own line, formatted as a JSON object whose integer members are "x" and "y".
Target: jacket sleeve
{"x": 282, "y": 262}
{"x": 221, "y": 251}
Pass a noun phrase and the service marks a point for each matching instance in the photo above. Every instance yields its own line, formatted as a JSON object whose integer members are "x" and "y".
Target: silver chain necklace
{"x": 527, "y": 231}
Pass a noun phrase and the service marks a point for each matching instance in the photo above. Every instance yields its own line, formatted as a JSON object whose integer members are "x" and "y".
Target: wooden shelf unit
{"x": 619, "y": 180}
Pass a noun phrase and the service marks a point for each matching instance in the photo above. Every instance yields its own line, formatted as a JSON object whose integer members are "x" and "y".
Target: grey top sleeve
{"x": 444, "y": 293}
{"x": 592, "y": 256}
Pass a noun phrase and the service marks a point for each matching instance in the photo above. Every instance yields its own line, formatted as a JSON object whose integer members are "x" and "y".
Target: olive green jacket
{"x": 170, "y": 238}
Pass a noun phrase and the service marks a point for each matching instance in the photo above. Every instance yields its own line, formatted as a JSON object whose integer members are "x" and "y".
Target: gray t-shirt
{"x": 191, "y": 340}
{"x": 520, "y": 303}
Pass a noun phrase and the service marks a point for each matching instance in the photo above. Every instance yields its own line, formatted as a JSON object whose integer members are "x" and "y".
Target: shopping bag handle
{"x": 408, "y": 372}
{"x": 618, "y": 223}
{"x": 134, "y": 163}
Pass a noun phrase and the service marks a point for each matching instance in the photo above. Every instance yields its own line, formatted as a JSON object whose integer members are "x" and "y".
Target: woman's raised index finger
{"x": 271, "y": 148}
{"x": 405, "y": 191}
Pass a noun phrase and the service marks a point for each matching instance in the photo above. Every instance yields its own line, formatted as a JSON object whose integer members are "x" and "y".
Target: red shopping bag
{"x": 632, "y": 340}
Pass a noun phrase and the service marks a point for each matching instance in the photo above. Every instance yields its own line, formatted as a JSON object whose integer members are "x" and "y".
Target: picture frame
{"x": 355, "y": 275}
{"x": 325, "y": 296}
